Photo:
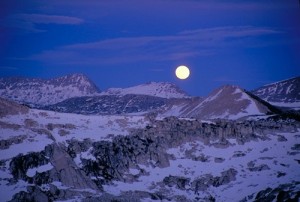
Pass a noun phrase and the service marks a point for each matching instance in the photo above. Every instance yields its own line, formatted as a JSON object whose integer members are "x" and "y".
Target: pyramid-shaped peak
{"x": 226, "y": 90}
{"x": 76, "y": 79}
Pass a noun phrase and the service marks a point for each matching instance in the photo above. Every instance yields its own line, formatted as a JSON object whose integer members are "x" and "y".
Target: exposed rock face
{"x": 63, "y": 170}
{"x": 179, "y": 182}
{"x": 110, "y": 104}
{"x": 149, "y": 146}
{"x": 204, "y": 182}
{"x": 8, "y": 107}
{"x": 283, "y": 93}
{"x": 284, "y": 192}
{"x": 228, "y": 102}
{"x": 66, "y": 172}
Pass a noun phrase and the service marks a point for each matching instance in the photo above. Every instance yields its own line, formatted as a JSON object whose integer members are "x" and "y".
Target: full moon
{"x": 182, "y": 72}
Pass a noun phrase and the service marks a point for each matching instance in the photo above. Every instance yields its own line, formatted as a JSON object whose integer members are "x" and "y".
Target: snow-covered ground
{"x": 242, "y": 158}
{"x": 75, "y": 126}
{"x": 33, "y": 131}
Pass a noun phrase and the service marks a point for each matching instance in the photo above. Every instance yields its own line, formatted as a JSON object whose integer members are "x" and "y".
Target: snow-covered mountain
{"x": 283, "y": 93}
{"x": 157, "y": 89}
{"x": 51, "y": 156}
{"x": 44, "y": 92}
{"x": 226, "y": 102}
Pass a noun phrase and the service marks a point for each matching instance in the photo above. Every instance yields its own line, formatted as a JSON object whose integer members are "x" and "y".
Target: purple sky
{"x": 120, "y": 43}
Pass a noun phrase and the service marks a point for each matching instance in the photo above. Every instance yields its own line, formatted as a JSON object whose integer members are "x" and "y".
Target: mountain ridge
{"x": 285, "y": 93}
{"x": 157, "y": 89}
{"x": 76, "y": 93}
{"x": 35, "y": 91}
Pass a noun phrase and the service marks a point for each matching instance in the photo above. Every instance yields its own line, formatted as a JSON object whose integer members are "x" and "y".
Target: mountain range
{"x": 77, "y": 94}
{"x": 65, "y": 140}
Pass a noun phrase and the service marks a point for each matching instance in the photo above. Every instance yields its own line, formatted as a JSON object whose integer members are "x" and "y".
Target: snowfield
{"x": 256, "y": 165}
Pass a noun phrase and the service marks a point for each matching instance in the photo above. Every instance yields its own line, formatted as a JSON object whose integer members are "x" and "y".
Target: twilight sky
{"x": 121, "y": 43}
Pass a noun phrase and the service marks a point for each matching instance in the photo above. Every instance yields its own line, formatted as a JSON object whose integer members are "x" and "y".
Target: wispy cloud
{"x": 47, "y": 19}
{"x": 29, "y": 22}
{"x": 8, "y": 68}
{"x": 183, "y": 45}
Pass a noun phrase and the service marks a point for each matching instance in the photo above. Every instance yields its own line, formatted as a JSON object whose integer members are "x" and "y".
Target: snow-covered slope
{"x": 49, "y": 156}
{"x": 157, "y": 89}
{"x": 283, "y": 93}
{"x": 45, "y": 92}
{"x": 228, "y": 102}
{"x": 110, "y": 104}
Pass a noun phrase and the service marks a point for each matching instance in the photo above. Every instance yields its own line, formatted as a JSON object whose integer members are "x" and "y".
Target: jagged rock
{"x": 49, "y": 192}
{"x": 219, "y": 160}
{"x": 238, "y": 154}
{"x": 110, "y": 161}
{"x": 280, "y": 174}
{"x": 281, "y": 138}
{"x": 179, "y": 182}
{"x": 20, "y": 164}
{"x": 284, "y": 192}
{"x": 5, "y": 144}
{"x": 52, "y": 126}
{"x": 30, "y": 123}
{"x": 66, "y": 171}
{"x": 9, "y": 125}
{"x": 129, "y": 196}
{"x": 296, "y": 147}
{"x": 33, "y": 194}
{"x": 253, "y": 168}
{"x": 208, "y": 180}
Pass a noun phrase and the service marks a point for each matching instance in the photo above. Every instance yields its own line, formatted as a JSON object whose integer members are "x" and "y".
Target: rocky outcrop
{"x": 64, "y": 170}
{"x": 20, "y": 164}
{"x": 284, "y": 192}
{"x": 178, "y": 182}
{"x": 87, "y": 165}
{"x": 50, "y": 193}
{"x": 256, "y": 168}
{"x": 204, "y": 182}
{"x": 111, "y": 160}
{"x": 5, "y": 144}
{"x": 8, "y": 107}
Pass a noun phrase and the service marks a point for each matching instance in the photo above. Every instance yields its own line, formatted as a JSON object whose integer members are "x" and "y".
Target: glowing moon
{"x": 182, "y": 72}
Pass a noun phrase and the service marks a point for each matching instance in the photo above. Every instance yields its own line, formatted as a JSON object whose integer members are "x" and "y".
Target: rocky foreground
{"x": 171, "y": 159}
